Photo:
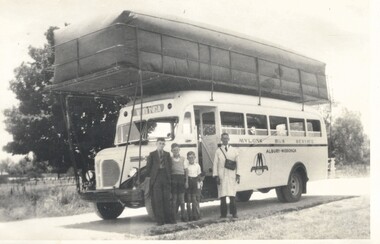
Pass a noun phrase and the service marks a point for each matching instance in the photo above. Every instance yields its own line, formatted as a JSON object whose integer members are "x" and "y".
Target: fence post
{"x": 331, "y": 167}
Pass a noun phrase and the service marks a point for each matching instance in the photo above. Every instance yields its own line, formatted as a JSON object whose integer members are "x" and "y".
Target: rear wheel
{"x": 293, "y": 191}
{"x": 280, "y": 195}
{"x": 243, "y": 196}
{"x": 108, "y": 210}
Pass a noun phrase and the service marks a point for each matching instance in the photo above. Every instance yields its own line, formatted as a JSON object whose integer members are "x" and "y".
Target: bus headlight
{"x": 90, "y": 175}
{"x": 132, "y": 172}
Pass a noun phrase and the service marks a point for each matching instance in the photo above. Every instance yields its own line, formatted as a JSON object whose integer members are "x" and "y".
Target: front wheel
{"x": 244, "y": 196}
{"x": 108, "y": 210}
{"x": 293, "y": 191}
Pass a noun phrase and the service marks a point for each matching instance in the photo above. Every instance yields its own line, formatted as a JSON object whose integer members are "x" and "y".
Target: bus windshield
{"x": 150, "y": 130}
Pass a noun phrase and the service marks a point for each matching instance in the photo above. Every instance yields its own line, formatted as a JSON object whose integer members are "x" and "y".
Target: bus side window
{"x": 278, "y": 126}
{"x": 313, "y": 128}
{"x": 297, "y": 127}
{"x": 232, "y": 123}
{"x": 257, "y": 124}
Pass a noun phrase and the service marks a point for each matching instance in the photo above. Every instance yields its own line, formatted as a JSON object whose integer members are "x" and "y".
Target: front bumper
{"x": 113, "y": 195}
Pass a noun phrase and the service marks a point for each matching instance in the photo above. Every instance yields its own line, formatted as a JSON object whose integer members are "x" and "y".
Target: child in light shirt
{"x": 179, "y": 179}
{"x": 194, "y": 181}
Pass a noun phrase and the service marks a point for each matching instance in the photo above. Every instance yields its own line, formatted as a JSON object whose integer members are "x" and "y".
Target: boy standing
{"x": 194, "y": 177}
{"x": 179, "y": 180}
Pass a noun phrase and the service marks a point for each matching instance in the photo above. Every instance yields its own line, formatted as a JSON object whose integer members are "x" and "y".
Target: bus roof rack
{"x": 104, "y": 58}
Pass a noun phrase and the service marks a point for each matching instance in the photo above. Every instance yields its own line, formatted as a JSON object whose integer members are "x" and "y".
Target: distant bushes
{"x": 33, "y": 200}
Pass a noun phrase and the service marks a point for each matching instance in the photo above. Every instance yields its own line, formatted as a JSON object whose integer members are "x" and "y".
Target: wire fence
{"x": 19, "y": 186}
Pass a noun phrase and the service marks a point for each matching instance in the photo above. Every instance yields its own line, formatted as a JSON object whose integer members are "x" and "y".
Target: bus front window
{"x": 150, "y": 130}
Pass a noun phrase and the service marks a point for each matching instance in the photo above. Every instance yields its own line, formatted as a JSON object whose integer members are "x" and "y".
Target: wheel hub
{"x": 294, "y": 186}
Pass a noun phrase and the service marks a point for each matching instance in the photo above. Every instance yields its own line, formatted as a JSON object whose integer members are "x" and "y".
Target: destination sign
{"x": 282, "y": 150}
{"x": 149, "y": 110}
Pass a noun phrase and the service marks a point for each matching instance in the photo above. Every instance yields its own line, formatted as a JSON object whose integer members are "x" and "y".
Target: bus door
{"x": 209, "y": 136}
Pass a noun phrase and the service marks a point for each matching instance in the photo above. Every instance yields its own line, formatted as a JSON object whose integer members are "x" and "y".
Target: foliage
{"x": 27, "y": 167}
{"x": 40, "y": 199}
{"x": 37, "y": 123}
{"x": 4, "y": 165}
{"x": 349, "y": 144}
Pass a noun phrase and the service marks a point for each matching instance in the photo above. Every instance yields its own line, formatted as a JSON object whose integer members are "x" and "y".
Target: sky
{"x": 335, "y": 32}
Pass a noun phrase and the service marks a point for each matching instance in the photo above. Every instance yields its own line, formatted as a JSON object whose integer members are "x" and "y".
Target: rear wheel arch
{"x": 296, "y": 184}
{"x": 301, "y": 169}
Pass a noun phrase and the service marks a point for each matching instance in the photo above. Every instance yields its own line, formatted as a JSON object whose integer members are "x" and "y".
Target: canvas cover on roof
{"x": 104, "y": 56}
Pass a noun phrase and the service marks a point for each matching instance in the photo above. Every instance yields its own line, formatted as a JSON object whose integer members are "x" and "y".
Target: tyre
{"x": 293, "y": 191}
{"x": 134, "y": 204}
{"x": 243, "y": 196}
{"x": 108, "y": 210}
{"x": 280, "y": 195}
{"x": 148, "y": 207}
{"x": 264, "y": 190}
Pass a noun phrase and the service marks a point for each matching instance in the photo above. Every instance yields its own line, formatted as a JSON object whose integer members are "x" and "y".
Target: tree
{"x": 349, "y": 144}
{"x": 326, "y": 110}
{"x": 4, "y": 165}
{"x": 37, "y": 123}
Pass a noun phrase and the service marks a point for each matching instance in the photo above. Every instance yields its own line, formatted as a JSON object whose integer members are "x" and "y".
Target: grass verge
{"x": 345, "y": 219}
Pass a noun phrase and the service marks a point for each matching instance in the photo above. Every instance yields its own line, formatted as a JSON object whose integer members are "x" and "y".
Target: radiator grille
{"x": 110, "y": 172}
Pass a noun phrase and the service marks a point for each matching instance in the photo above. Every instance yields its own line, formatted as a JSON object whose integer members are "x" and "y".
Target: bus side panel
{"x": 265, "y": 167}
{"x": 254, "y": 169}
{"x": 317, "y": 166}
{"x": 314, "y": 159}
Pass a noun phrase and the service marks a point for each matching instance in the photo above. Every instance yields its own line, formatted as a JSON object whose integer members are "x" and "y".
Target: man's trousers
{"x": 161, "y": 198}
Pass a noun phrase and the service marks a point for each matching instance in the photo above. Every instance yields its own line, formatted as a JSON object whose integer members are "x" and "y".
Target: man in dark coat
{"x": 159, "y": 171}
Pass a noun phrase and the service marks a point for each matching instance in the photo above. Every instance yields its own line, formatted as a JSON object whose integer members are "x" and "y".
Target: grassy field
{"x": 349, "y": 171}
{"x": 40, "y": 199}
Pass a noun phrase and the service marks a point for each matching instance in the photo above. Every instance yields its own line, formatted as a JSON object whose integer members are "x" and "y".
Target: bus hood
{"x": 111, "y": 169}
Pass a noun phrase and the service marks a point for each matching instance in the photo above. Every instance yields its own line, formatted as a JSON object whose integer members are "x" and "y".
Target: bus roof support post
{"x": 212, "y": 91}
{"x": 67, "y": 121}
{"x": 258, "y": 79}
{"x": 129, "y": 132}
{"x": 141, "y": 94}
{"x": 141, "y": 114}
{"x": 302, "y": 97}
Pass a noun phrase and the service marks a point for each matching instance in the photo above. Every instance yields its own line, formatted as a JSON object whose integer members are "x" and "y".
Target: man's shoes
{"x": 223, "y": 216}
{"x": 159, "y": 224}
{"x": 235, "y": 216}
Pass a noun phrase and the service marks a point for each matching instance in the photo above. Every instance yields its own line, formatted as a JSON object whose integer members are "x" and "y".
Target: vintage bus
{"x": 194, "y": 83}
{"x": 281, "y": 145}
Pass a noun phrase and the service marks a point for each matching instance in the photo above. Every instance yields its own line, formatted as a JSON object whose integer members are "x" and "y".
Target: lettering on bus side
{"x": 149, "y": 109}
{"x": 250, "y": 141}
{"x": 283, "y": 150}
{"x": 302, "y": 141}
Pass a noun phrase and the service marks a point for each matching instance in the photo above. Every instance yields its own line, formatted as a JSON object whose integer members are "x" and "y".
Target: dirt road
{"x": 135, "y": 224}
